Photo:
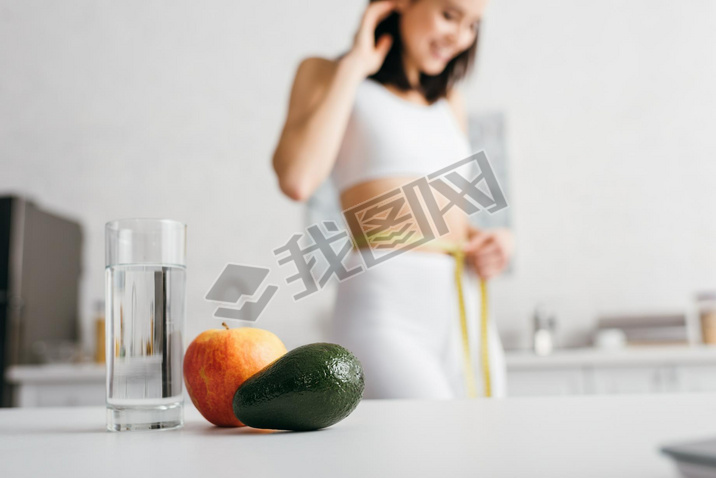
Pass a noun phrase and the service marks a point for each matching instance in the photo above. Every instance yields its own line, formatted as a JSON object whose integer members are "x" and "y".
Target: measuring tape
{"x": 457, "y": 252}
{"x": 459, "y": 256}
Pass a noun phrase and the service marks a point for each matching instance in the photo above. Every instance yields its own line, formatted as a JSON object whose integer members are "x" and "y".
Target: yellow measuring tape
{"x": 459, "y": 256}
{"x": 457, "y": 252}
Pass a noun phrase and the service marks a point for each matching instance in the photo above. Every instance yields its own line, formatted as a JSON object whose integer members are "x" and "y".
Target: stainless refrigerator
{"x": 40, "y": 267}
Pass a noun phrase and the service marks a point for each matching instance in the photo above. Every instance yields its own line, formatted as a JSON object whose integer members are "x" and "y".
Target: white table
{"x": 575, "y": 437}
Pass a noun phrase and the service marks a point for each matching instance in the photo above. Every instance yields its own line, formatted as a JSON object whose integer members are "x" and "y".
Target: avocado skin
{"x": 313, "y": 386}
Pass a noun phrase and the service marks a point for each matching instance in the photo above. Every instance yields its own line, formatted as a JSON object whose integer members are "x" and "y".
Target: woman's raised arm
{"x": 321, "y": 101}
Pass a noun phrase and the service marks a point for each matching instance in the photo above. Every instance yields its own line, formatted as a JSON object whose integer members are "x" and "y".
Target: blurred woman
{"x": 381, "y": 115}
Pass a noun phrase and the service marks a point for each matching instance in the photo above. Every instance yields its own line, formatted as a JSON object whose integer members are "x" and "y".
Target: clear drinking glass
{"x": 145, "y": 284}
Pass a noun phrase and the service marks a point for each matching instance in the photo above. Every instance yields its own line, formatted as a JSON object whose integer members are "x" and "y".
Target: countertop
{"x": 632, "y": 355}
{"x": 605, "y": 436}
{"x": 516, "y": 360}
{"x": 57, "y": 373}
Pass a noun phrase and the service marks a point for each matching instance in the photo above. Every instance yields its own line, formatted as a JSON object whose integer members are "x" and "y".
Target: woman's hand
{"x": 368, "y": 53}
{"x": 489, "y": 251}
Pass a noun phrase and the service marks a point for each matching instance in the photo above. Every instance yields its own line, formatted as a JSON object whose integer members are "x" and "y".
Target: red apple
{"x": 219, "y": 360}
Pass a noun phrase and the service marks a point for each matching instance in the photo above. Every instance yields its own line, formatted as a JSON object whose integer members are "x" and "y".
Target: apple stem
{"x": 225, "y": 326}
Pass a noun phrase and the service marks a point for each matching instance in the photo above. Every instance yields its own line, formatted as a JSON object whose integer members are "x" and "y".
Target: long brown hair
{"x": 433, "y": 87}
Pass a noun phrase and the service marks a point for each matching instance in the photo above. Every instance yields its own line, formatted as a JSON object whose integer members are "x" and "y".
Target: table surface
{"x": 614, "y": 436}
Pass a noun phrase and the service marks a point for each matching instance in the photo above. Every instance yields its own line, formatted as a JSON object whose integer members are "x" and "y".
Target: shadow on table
{"x": 211, "y": 430}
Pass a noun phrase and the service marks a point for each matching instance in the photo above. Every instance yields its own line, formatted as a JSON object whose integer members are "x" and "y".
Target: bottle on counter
{"x": 543, "y": 338}
{"x": 99, "y": 356}
{"x": 706, "y": 313}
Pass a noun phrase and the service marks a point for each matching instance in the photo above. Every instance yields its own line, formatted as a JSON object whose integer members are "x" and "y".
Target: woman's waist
{"x": 437, "y": 263}
{"x": 408, "y": 277}
{"x": 374, "y": 246}
{"x": 382, "y": 216}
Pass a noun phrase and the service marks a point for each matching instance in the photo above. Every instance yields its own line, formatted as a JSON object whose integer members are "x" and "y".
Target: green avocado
{"x": 313, "y": 386}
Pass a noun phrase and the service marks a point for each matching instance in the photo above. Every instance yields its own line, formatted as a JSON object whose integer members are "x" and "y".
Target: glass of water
{"x": 145, "y": 284}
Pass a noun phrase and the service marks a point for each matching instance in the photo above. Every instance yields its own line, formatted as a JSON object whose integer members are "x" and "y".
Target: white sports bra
{"x": 389, "y": 136}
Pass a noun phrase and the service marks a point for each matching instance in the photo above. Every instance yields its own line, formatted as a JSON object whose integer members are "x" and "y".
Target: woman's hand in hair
{"x": 368, "y": 53}
{"x": 489, "y": 251}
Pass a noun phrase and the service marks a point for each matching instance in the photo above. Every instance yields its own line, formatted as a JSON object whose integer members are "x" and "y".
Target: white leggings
{"x": 401, "y": 319}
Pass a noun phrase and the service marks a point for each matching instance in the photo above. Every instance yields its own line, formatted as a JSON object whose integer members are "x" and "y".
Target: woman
{"x": 383, "y": 114}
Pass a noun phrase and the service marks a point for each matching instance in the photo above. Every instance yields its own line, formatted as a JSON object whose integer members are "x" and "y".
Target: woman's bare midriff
{"x": 455, "y": 218}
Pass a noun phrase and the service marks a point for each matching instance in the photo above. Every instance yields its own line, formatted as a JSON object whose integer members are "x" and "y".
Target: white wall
{"x": 611, "y": 122}
{"x": 135, "y": 108}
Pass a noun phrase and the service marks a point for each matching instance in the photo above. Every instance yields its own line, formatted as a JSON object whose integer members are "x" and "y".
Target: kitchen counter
{"x": 628, "y": 356}
{"x": 614, "y": 436}
{"x": 634, "y": 369}
{"x": 57, "y": 373}
{"x": 665, "y": 369}
{"x": 515, "y": 359}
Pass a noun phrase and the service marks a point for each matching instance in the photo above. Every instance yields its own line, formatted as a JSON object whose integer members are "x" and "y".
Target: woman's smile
{"x": 441, "y": 53}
